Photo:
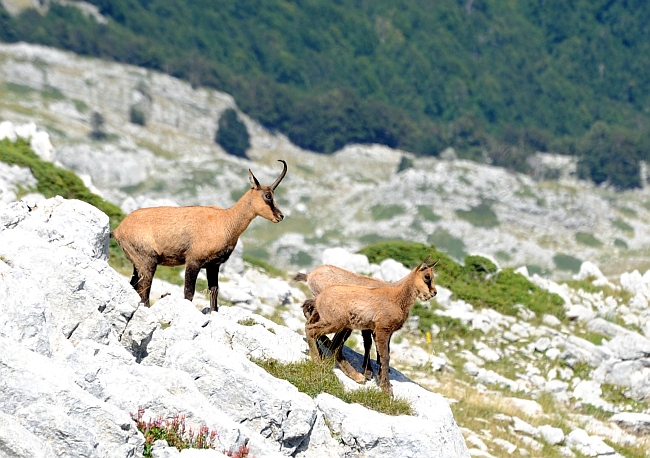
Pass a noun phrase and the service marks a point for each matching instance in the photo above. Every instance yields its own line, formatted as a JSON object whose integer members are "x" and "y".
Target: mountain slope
{"x": 491, "y": 79}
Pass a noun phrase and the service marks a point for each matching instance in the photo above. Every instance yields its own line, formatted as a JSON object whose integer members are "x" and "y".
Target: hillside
{"x": 350, "y": 199}
{"x": 496, "y": 81}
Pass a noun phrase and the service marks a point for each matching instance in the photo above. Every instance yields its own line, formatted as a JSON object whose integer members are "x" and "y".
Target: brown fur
{"x": 199, "y": 237}
{"x": 328, "y": 275}
{"x": 382, "y": 310}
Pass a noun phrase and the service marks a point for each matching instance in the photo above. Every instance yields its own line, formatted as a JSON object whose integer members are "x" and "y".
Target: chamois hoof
{"x": 387, "y": 388}
{"x": 369, "y": 374}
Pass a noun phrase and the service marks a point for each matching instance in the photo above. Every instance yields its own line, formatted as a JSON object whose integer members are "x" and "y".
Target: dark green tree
{"x": 232, "y": 134}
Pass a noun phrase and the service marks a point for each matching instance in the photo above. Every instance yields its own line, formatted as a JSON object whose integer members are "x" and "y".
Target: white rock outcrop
{"x": 80, "y": 356}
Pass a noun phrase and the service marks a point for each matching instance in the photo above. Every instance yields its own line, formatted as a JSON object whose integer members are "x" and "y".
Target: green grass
{"x": 385, "y": 212}
{"x": 428, "y": 214}
{"x": 588, "y": 239}
{"x": 454, "y": 246}
{"x": 480, "y": 216}
{"x": 477, "y": 281}
{"x": 567, "y": 262}
{"x": 247, "y": 322}
{"x": 622, "y": 225}
{"x": 315, "y": 378}
{"x": 263, "y": 265}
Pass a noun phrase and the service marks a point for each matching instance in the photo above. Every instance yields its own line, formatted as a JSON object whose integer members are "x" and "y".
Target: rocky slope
{"x": 348, "y": 199}
{"x": 79, "y": 355}
{"x": 534, "y": 386}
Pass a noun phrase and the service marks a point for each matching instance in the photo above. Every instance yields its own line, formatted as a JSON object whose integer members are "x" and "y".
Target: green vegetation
{"x": 232, "y": 134}
{"x": 175, "y": 432}
{"x": 53, "y": 180}
{"x": 136, "y": 116}
{"x": 567, "y": 262}
{"x": 477, "y": 281}
{"x": 495, "y": 80}
{"x": 385, "y": 212}
{"x": 588, "y": 239}
{"x": 480, "y": 216}
{"x": 315, "y": 378}
{"x": 247, "y": 322}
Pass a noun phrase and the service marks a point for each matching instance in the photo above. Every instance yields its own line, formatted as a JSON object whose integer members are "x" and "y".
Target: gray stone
{"x": 606, "y": 328}
{"x": 542, "y": 344}
{"x": 411, "y": 435}
{"x": 551, "y": 435}
{"x": 637, "y": 423}
{"x": 579, "y": 440}
{"x": 630, "y": 346}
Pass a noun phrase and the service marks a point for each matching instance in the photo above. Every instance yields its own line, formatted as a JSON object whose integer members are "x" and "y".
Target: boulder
{"x": 371, "y": 434}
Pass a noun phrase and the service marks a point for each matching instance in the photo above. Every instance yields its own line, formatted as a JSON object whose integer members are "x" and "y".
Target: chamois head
{"x": 263, "y": 200}
{"x": 424, "y": 280}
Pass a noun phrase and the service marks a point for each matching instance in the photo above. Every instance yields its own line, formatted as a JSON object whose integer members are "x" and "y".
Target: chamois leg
{"x": 134, "y": 278}
{"x": 212, "y": 272}
{"x": 313, "y": 330}
{"x": 344, "y": 364}
{"x": 191, "y": 272}
{"x": 367, "y": 345}
{"x": 142, "y": 279}
{"x": 382, "y": 339}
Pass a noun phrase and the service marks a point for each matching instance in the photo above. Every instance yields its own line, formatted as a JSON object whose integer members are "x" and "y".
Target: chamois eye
{"x": 427, "y": 277}
{"x": 267, "y": 196}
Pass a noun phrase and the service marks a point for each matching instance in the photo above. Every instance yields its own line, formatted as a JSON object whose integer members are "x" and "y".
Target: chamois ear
{"x": 254, "y": 183}
{"x": 424, "y": 263}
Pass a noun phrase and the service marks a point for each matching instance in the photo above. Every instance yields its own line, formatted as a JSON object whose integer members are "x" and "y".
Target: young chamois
{"x": 382, "y": 310}
{"x": 199, "y": 237}
{"x": 327, "y": 275}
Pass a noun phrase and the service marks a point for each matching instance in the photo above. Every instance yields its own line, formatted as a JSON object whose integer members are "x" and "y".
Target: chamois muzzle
{"x": 279, "y": 179}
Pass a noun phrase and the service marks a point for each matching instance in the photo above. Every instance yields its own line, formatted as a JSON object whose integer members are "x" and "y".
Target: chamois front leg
{"x": 382, "y": 339}
{"x": 191, "y": 272}
{"x": 367, "y": 344}
{"x": 212, "y": 271}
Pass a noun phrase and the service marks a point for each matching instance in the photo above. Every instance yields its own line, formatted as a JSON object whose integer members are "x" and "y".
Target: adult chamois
{"x": 197, "y": 236}
{"x": 382, "y": 310}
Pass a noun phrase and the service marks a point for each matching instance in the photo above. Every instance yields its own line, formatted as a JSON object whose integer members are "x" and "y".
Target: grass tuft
{"x": 315, "y": 378}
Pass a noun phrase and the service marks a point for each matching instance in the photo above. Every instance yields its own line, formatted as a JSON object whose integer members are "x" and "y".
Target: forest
{"x": 497, "y": 81}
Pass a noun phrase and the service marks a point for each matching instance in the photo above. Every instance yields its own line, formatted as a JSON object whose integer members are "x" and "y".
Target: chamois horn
{"x": 279, "y": 179}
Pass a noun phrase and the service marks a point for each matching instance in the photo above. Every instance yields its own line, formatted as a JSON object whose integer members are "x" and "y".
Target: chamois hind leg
{"x": 212, "y": 272}
{"x": 314, "y": 329}
{"x": 142, "y": 279}
{"x": 337, "y": 350}
{"x": 382, "y": 340}
{"x": 191, "y": 272}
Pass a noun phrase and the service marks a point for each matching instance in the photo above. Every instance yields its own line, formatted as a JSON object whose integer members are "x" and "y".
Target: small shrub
{"x": 619, "y": 243}
{"x": 232, "y": 135}
{"x": 427, "y": 213}
{"x": 247, "y": 322}
{"x": 136, "y": 116}
{"x": 174, "y": 432}
{"x": 97, "y": 126}
{"x": 404, "y": 164}
{"x": 588, "y": 239}
{"x": 480, "y": 216}
{"x": 385, "y": 212}
{"x": 567, "y": 262}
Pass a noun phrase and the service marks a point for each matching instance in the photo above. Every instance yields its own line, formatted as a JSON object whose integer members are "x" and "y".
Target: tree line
{"x": 497, "y": 81}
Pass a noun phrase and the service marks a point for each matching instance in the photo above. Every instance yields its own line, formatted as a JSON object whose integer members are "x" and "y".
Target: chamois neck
{"x": 241, "y": 214}
{"x": 407, "y": 294}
